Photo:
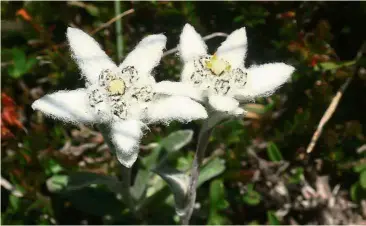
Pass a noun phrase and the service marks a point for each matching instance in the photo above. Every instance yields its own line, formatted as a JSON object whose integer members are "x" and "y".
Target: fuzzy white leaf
{"x": 264, "y": 79}
{"x": 175, "y": 108}
{"x": 191, "y": 44}
{"x": 124, "y": 138}
{"x": 69, "y": 106}
{"x": 179, "y": 89}
{"x": 234, "y": 48}
{"x": 88, "y": 54}
{"x": 146, "y": 55}
{"x": 223, "y": 103}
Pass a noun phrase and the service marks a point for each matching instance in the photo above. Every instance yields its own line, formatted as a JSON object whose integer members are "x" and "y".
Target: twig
{"x": 207, "y": 37}
{"x": 333, "y": 105}
{"x": 111, "y": 21}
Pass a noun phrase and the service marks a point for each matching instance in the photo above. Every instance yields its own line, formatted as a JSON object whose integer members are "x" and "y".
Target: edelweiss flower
{"x": 222, "y": 77}
{"x": 119, "y": 99}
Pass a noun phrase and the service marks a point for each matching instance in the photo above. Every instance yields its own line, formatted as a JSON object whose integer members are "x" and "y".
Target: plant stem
{"x": 203, "y": 140}
{"x": 119, "y": 38}
{"x": 126, "y": 192}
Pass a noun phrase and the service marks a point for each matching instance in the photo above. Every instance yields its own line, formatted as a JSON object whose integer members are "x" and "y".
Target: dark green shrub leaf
{"x": 273, "y": 152}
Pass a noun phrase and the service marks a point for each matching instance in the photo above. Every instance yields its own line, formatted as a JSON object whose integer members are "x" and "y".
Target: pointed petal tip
{"x": 73, "y": 31}
{"x": 155, "y": 38}
{"x": 127, "y": 162}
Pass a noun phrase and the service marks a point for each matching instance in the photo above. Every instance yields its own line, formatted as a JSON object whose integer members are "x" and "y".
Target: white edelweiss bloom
{"x": 222, "y": 77}
{"x": 120, "y": 99}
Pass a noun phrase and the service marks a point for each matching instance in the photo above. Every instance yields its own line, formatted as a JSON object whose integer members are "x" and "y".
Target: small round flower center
{"x": 116, "y": 87}
{"x": 217, "y": 65}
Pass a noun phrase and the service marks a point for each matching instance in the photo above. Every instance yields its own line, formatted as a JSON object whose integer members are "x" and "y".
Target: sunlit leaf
{"x": 327, "y": 66}
{"x": 212, "y": 169}
{"x": 176, "y": 140}
{"x": 217, "y": 202}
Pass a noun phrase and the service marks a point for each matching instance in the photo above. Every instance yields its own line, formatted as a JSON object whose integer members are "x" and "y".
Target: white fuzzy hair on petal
{"x": 146, "y": 55}
{"x": 68, "y": 106}
{"x": 178, "y": 108}
{"x": 264, "y": 79}
{"x": 178, "y": 89}
{"x": 234, "y": 48}
{"x": 88, "y": 54}
{"x": 191, "y": 44}
{"x": 124, "y": 138}
{"x": 223, "y": 103}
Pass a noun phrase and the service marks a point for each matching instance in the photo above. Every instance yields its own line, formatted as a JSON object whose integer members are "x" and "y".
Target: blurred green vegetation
{"x": 257, "y": 170}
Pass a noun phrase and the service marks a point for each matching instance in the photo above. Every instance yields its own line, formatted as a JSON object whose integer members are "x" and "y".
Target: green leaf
{"x": 297, "y": 177}
{"x": 172, "y": 143}
{"x": 357, "y": 192}
{"x": 327, "y": 66}
{"x": 19, "y": 58}
{"x": 363, "y": 179}
{"x": 272, "y": 219}
{"x": 53, "y": 167}
{"x": 251, "y": 197}
{"x": 30, "y": 63}
{"x": 273, "y": 152}
{"x": 57, "y": 183}
{"x": 217, "y": 202}
{"x": 210, "y": 170}
{"x": 178, "y": 183}
{"x": 15, "y": 72}
{"x": 217, "y": 193}
{"x": 177, "y": 140}
{"x": 14, "y": 202}
{"x": 359, "y": 168}
{"x": 216, "y": 219}
{"x": 79, "y": 180}
{"x": 140, "y": 185}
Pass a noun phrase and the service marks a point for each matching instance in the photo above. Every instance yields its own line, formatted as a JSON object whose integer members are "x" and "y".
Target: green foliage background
{"x": 53, "y": 166}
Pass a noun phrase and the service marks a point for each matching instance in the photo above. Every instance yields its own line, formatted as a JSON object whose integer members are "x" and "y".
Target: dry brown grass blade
{"x": 333, "y": 105}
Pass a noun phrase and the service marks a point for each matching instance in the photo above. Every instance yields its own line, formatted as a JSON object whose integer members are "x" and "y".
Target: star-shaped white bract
{"x": 222, "y": 79}
{"x": 120, "y": 99}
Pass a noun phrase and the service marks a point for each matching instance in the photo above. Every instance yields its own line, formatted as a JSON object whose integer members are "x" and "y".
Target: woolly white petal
{"x": 187, "y": 72}
{"x": 69, "y": 106}
{"x": 88, "y": 54}
{"x": 146, "y": 55}
{"x": 178, "y": 89}
{"x": 175, "y": 108}
{"x": 223, "y": 103}
{"x": 191, "y": 44}
{"x": 264, "y": 79}
{"x": 124, "y": 139}
{"x": 234, "y": 48}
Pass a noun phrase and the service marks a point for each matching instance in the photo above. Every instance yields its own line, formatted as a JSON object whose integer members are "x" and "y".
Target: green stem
{"x": 126, "y": 192}
{"x": 203, "y": 140}
{"x": 119, "y": 37}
